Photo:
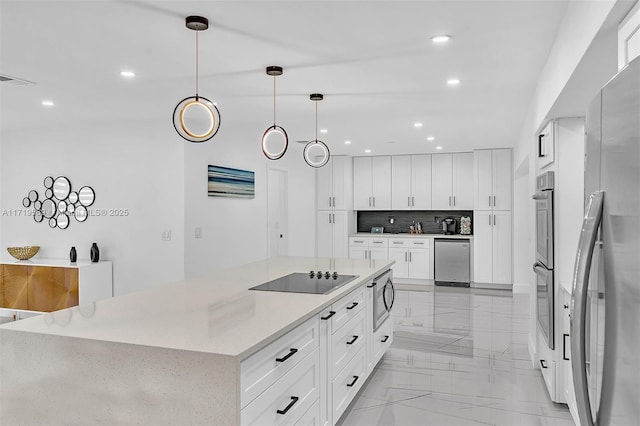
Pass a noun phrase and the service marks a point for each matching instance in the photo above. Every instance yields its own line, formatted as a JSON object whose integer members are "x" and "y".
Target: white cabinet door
{"x": 441, "y": 181}
{"x": 419, "y": 263}
{"x": 381, "y": 182}
{"x": 362, "y": 184}
{"x": 401, "y": 256}
{"x": 483, "y": 179}
{"x": 501, "y": 247}
{"x": 342, "y": 185}
{"x": 379, "y": 253}
{"x": 483, "y": 246}
{"x": 358, "y": 252}
{"x": 463, "y": 181}
{"x": 340, "y": 234}
{"x": 324, "y": 234}
{"x": 401, "y": 174}
{"x": 502, "y": 179}
{"x": 420, "y": 182}
{"x": 324, "y": 191}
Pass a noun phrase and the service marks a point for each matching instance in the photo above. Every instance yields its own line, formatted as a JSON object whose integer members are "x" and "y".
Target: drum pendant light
{"x": 274, "y": 140}
{"x": 196, "y": 118}
{"x": 316, "y": 153}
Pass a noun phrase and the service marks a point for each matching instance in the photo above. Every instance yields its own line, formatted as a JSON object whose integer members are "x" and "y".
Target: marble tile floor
{"x": 459, "y": 357}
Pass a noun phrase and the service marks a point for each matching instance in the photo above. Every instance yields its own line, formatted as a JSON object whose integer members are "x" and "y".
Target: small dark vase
{"x": 73, "y": 255}
{"x": 95, "y": 253}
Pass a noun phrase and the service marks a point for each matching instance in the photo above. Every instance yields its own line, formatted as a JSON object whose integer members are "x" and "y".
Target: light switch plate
{"x": 166, "y": 235}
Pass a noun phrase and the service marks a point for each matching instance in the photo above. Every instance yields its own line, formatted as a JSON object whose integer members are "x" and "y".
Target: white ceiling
{"x": 373, "y": 60}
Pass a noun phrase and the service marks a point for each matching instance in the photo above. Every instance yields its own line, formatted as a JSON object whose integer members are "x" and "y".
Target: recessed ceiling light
{"x": 441, "y": 38}
{"x": 417, "y": 125}
{"x": 431, "y": 138}
{"x": 128, "y": 74}
{"x": 347, "y": 142}
{"x": 438, "y": 148}
{"x": 453, "y": 82}
{"x": 367, "y": 151}
{"x": 324, "y": 131}
{"x": 47, "y": 103}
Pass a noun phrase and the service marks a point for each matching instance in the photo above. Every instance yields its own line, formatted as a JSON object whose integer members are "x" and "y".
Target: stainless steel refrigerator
{"x": 605, "y": 307}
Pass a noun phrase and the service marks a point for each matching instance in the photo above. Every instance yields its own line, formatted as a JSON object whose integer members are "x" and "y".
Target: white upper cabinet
{"x": 452, "y": 181}
{"x": 372, "y": 183}
{"x": 411, "y": 182}
{"x": 493, "y": 180}
{"x": 334, "y": 184}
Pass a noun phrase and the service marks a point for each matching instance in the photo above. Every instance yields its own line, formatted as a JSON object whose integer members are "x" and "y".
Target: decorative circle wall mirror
{"x": 53, "y": 222}
{"x": 48, "y": 182}
{"x": 61, "y": 187}
{"x": 49, "y": 208}
{"x": 37, "y": 216}
{"x": 62, "y": 221}
{"x": 26, "y": 202}
{"x": 33, "y": 195}
{"x": 86, "y": 196}
{"x": 81, "y": 213}
{"x": 73, "y": 197}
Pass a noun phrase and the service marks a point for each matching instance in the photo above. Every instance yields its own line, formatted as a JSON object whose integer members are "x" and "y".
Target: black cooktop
{"x": 311, "y": 282}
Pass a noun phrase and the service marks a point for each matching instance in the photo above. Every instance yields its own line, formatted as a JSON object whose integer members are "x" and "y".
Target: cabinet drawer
{"x": 347, "y": 308}
{"x": 311, "y": 417}
{"x": 346, "y": 342}
{"x": 266, "y": 366}
{"x": 289, "y": 398}
{"x": 382, "y": 339}
{"x": 549, "y": 374}
{"x": 347, "y": 384}
{"x": 398, "y": 242}
{"x": 419, "y": 243}
{"x": 358, "y": 242}
{"x": 378, "y": 242}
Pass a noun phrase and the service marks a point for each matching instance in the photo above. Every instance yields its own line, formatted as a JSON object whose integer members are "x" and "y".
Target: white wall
{"x": 234, "y": 231}
{"x": 132, "y": 165}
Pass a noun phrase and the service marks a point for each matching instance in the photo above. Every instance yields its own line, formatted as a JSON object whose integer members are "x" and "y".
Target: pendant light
{"x": 196, "y": 118}
{"x": 316, "y": 153}
{"x": 274, "y": 140}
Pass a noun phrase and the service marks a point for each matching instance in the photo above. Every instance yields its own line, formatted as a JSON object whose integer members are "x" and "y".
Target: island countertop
{"x": 215, "y": 314}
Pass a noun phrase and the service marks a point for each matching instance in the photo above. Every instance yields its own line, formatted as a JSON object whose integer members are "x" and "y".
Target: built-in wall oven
{"x": 383, "y": 297}
{"x": 543, "y": 267}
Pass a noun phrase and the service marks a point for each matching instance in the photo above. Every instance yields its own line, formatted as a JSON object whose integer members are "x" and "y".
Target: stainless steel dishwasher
{"x": 452, "y": 262}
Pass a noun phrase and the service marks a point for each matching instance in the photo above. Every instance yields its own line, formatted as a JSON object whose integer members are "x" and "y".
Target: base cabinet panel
{"x": 347, "y": 384}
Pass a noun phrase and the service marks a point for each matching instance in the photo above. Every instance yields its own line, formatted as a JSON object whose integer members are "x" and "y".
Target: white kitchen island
{"x": 191, "y": 352}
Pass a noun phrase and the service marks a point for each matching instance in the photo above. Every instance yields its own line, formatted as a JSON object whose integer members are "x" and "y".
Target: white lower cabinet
{"x": 289, "y": 398}
{"x": 311, "y": 417}
{"x": 347, "y": 383}
{"x": 412, "y": 256}
{"x": 382, "y": 339}
{"x": 346, "y": 342}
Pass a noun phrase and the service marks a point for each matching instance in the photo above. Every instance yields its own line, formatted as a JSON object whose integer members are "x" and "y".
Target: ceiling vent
{"x": 4, "y": 78}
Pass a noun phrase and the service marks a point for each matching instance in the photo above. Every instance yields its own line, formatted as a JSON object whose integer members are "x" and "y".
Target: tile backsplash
{"x": 430, "y": 220}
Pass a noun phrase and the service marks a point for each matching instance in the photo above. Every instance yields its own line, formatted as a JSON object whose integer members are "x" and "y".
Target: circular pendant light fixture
{"x": 196, "y": 118}
{"x": 316, "y": 153}
{"x": 274, "y": 140}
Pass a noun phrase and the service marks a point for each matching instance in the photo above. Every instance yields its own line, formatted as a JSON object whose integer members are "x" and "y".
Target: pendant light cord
{"x": 197, "y": 64}
{"x": 274, "y": 100}
{"x": 316, "y": 121}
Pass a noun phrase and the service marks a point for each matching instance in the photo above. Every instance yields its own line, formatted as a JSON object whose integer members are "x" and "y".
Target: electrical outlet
{"x": 166, "y": 235}
{"x": 198, "y": 232}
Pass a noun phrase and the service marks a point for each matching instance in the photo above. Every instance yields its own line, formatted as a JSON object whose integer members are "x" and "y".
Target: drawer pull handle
{"x": 353, "y": 305}
{"x": 352, "y": 341}
{"x": 415, "y": 242}
{"x": 294, "y": 399}
{"x": 331, "y": 313}
{"x": 355, "y": 379}
{"x": 372, "y": 285}
{"x": 542, "y": 364}
{"x": 287, "y": 356}
{"x": 385, "y": 339}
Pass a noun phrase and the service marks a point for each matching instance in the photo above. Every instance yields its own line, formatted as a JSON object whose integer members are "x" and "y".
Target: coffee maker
{"x": 449, "y": 226}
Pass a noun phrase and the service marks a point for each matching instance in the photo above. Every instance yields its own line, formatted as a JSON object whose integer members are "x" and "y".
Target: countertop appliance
{"x": 543, "y": 266}
{"x": 449, "y": 226}
{"x": 312, "y": 282}
{"x": 384, "y": 295}
{"x": 452, "y": 262}
{"x": 605, "y": 306}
